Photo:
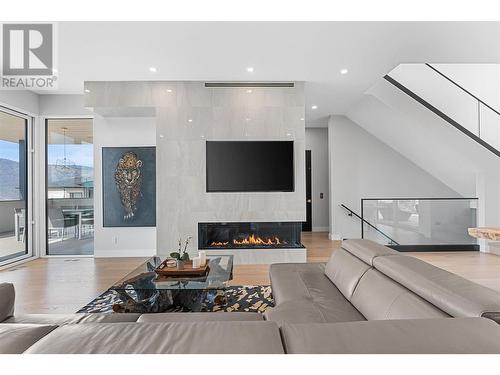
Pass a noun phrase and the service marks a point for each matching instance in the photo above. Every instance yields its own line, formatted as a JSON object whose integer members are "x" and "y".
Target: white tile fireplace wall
{"x": 223, "y": 114}
{"x": 188, "y": 114}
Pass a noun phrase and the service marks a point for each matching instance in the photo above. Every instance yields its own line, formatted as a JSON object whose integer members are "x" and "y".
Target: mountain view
{"x": 9, "y": 178}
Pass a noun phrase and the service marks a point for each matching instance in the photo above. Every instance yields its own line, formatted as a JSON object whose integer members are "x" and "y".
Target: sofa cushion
{"x": 7, "y": 299}
{"x": 200, "y": 317}
{"x": 60, "y": 319}
{"x": 289, "y": 280}
{"x": 163, "y": 338}
{"x": 345, "y": 271}
{"x": 304, "y": 311}
{"x": 16, "y": 338}
{"x": 366, "y": 250}
{"x": 378, "y": 297}
{"x": 451, "y": 293}
{"x": 420, "y": 336}
{"x": 303, "y": 291}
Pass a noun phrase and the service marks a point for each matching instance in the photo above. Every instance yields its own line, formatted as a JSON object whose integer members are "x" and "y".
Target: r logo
{"x": 27, "y": 49}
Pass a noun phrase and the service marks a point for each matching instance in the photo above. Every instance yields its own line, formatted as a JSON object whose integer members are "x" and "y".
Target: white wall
{"x": 127, "y": 241}
{"x": 361, "y": 166}
{"x": 63, "y": 105}
{"x": 317, "y": 142}
{"x": 20, "y": 100}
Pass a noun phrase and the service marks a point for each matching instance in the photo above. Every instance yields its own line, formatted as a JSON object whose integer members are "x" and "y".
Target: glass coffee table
{"x": 143, "y": 291}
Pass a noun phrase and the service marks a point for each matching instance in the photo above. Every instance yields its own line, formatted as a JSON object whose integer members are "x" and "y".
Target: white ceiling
{"x": 313, "y": 52}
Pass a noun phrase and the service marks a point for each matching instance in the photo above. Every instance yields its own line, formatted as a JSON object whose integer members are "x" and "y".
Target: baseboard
{"x": 434, "y": 248}
{"x": 334, "y": 237}
{"x": 126, "y": 253}
{"x": 320, "y": 229}
{"x": 493, "y": 247}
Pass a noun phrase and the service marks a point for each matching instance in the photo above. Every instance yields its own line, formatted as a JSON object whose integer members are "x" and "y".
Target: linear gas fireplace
{"x": 245, "y": 235}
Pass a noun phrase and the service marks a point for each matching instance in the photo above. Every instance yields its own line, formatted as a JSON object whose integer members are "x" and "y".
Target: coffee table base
{"x": 162, "y": 300}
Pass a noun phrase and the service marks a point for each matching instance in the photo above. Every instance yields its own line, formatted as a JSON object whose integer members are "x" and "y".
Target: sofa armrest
{"x": 7, "y": 299}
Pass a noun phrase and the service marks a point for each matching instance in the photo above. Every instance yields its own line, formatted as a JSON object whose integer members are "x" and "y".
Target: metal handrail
{"x": 462, "y": 88}
{"x": 351, "y": 212}
{"x": 445, "y": 117}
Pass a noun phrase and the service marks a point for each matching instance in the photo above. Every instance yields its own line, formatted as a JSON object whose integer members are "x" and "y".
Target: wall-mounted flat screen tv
{"x": 246, "y": 166}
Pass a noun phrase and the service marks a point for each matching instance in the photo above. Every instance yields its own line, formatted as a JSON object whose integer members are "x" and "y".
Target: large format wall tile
{"x": 225, "y": 114}
{"x": 187, "y": 115}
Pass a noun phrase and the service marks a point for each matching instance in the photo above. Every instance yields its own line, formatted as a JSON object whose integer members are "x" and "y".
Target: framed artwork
{"x": 129, "y": 186}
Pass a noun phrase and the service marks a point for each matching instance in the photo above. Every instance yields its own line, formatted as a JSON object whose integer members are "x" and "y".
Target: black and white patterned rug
{"x": 239, "y": 298}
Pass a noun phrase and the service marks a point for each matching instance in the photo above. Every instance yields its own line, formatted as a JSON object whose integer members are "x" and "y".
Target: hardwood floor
{"x": 63, "y": 285}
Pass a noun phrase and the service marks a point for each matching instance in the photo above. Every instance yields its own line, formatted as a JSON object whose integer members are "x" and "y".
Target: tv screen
{"x": 238, "y": 166}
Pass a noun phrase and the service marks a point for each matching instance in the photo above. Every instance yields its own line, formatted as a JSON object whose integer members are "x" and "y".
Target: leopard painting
{"x": 128, "y": 179}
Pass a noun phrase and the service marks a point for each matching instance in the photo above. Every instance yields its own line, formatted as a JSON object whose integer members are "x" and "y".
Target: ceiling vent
{"x": 249, "y": 84}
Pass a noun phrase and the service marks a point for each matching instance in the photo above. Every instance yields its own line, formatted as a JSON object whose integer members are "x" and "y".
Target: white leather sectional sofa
{"x": 366, "y": 299}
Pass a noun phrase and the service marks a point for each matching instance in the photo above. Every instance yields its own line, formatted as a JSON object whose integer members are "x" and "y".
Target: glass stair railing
{"x": 450, "y": 101}
{"x": 419, "y": 224}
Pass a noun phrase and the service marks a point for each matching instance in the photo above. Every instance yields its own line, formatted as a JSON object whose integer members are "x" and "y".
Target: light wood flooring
{"x": 64, "y": 285}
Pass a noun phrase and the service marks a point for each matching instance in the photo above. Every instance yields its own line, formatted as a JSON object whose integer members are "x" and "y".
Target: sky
{"x": 78, "y": 154}
{"x": 9, "y": 150}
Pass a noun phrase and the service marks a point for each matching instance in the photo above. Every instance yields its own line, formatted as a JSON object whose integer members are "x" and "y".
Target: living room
{"x": 327, "y": 187}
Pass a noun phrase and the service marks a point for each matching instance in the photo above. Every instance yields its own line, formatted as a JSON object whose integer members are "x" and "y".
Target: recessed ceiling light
{"x": 288, "y": 134}
{"x": 314, "y": 107}
{"x": 344, "y": 71}
{"x": 152, "y": 69}
{"x": 250, "y": 69}
{"x": 248, "y": 119}
{"x": 302, "y": 119}
{"x": 249, "y": 91}
{"x": 190, "y": 120}
{"x": 162, "y": 136}
{"x": 169, "y": 90}
{"x": 87, "y": 90}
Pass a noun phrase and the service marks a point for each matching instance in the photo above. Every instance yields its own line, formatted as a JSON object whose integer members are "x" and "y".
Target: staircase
{"x": 449, "y": 100}
{"x": 440, "y": 126}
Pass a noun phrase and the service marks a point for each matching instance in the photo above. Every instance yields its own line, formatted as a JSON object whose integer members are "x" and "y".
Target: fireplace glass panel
{"x": 249, "y": 235}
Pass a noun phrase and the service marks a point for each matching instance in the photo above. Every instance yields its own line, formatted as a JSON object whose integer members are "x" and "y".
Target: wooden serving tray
{"x": 188, "y": 270}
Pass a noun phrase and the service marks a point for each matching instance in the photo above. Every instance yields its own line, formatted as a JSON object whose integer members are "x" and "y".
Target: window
{"x": 13, "y": 187}
{"x": 70, "y": 187}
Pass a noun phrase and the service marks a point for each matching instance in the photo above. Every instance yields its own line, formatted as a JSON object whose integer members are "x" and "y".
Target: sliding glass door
{"x": 70, "y": 187}
{"x": 13, "y": 187}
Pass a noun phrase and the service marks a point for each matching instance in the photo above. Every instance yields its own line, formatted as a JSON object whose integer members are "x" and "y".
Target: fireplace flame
{"x": 252, "y": 240}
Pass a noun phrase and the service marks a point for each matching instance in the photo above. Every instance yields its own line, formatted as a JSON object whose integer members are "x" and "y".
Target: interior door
{"x": 307, "y": 225}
